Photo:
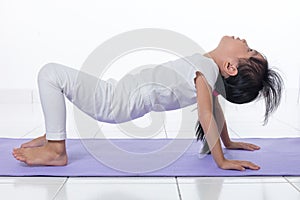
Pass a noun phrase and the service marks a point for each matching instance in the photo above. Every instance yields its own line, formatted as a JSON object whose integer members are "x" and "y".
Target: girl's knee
{"x": 47, "y": 71}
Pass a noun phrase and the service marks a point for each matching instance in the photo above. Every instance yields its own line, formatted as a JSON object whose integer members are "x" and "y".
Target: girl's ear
{"x": 230, "y": 68}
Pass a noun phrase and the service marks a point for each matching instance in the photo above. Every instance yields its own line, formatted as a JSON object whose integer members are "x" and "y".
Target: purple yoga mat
{"x": 145, "y": 157}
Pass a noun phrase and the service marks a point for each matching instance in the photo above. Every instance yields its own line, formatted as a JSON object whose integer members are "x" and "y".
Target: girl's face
{"x": 234, "y": 47}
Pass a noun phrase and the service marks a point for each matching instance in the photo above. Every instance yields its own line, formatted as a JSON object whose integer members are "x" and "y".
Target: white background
{"x": 36, "y": 32}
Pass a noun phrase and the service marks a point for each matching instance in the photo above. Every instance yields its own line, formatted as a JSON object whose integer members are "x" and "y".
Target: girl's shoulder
{"x": 206, "y": 67}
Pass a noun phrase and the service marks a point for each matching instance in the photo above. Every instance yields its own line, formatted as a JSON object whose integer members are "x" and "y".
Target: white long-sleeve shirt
{"x": 164, "y": 87}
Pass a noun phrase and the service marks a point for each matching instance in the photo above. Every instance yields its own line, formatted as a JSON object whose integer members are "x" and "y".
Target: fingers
{"x": 234, "y": 166}
{"x": 239, "y": 165}
{"x": 253, "y": 147}
{"x": 248, "y": 165}
{"x": 243, "y": 145}
{"x": 250, "y": 147}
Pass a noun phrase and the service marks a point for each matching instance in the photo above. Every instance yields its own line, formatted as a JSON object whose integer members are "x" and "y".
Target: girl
{"x": 242, "y": 71}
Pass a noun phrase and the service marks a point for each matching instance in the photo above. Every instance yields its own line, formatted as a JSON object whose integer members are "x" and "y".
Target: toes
{"x": 21, "y": 158}
{"x": 18, "y": 154}
{"x": 16, "y": 151}
{"x": 24, "y": 145}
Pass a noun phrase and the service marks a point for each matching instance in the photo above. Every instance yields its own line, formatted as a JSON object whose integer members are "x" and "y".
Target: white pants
{"x": 90, "y": 94}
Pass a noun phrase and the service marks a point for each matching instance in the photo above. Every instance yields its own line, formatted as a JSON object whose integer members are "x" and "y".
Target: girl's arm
{"x": 209, "y": 125}
{"x": 220, "y": 119}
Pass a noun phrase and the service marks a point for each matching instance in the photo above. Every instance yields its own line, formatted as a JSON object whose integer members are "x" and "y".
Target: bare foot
{"x": 37, "y": 142}
{"x": 52, "y": 153}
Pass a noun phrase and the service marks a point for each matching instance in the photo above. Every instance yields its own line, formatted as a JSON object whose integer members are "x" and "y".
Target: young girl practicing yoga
{"x": 243, "y": 73}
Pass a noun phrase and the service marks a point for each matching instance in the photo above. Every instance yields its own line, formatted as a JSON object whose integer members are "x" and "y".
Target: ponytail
{"x": 199, "y": 131}
{"x": 272, "y": 89}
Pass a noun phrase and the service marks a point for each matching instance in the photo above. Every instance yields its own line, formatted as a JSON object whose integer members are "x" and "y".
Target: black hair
{"x": 254, "y": 79}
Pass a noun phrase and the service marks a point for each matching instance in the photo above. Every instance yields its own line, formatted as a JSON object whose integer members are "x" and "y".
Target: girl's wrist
{"x": 228, "y": 144}
{"x": 221, "y": 162}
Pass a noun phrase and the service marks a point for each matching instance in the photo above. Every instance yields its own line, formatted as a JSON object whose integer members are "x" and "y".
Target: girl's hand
{"x": 242, "y": 145}
{"x": 238, "y": 165}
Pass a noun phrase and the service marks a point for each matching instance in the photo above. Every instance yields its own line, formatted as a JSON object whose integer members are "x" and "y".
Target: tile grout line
{"x": 31, "y": 96}
{"x": 286, "y": 123}
{"x": 31, "y": 130}
{"x": 296, "y": 188}
{"x": 60, "y": 188}
{"x": 178, "y": 189}
{"x": 166, "y": 134}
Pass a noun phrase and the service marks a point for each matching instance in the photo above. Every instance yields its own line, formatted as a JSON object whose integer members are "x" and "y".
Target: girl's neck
{"x": 215, "y": 56}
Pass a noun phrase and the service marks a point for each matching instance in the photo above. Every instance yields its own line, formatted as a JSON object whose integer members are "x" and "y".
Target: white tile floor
{"x": 26, "y": 121}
